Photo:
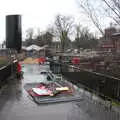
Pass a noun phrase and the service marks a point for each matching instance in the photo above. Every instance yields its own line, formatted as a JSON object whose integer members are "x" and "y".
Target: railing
{"x": 104, "y": 85}
{"x": 6, "y": 72}
{"x": 53, "y": 77}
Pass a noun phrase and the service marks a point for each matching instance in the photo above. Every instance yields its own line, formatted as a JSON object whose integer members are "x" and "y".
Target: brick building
{"x": 116, "y": 41}
{"x": 110, "y": 41}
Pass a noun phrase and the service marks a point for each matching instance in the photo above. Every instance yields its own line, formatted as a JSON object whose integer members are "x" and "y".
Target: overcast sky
{"x": 38, "y": 13}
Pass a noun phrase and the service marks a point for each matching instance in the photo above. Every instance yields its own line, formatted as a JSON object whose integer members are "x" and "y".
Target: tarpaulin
{"x": 41, "y": 60}
{"x": 61, "y": 92}
{"x": 76, "y": 60}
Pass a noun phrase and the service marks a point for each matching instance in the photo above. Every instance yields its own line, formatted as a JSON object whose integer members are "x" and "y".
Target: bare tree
{"x": 107, "y": 8}
{"x": 83, "y": 38}
{"x": 51, "y": 30}
{"x": 29, "y": 33}
{"x": 63, "y": 26}
{"x": 38, "y": 32}
{"x": 114, "y": 5}
{"x": 91, "y": 13}
{"x": 29, "y": 36}
{"x": 113, "y": 9}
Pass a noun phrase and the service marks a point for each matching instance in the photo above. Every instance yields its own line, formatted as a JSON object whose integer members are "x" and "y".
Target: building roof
{"x": 36, "y": 47}
{"x": 116, "y": 34}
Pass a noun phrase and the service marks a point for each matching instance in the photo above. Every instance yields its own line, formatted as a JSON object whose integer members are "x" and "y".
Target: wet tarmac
{"x": 16, "y": 105}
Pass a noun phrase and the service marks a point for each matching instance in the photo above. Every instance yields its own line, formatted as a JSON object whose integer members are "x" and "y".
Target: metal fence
{"x": 6, "y": 72}
{"x": 105, "y": 85}
{"x": 100, "y": 83}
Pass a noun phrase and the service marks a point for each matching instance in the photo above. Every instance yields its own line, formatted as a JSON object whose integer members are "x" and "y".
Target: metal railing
{"x": 102, "y": 84}
{"x": 6, "y": 72}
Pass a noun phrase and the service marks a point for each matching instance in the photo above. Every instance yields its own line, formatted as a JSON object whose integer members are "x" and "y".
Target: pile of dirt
{"x": 30, "y": 61}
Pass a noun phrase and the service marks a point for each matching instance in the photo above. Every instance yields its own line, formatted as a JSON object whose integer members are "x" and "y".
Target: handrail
{"x": 100, "y": 74}
{"x": 95, "y": 82}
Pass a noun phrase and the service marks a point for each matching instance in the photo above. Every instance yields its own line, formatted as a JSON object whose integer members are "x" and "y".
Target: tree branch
{"x": 111, "y": 8}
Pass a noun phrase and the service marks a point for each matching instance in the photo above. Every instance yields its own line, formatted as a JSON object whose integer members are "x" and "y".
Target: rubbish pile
{"x": 51, "y": 92}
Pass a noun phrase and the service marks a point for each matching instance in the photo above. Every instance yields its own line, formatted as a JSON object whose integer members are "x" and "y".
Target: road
{"x": 16, "y": 105}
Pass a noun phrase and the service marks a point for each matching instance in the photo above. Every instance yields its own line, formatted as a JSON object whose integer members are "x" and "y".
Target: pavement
{"x": 16, "y": 105}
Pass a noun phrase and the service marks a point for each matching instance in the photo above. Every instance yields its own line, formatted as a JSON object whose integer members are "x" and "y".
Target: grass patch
{"x": 116, "y": 103}
{"x": 3, "y": 61}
